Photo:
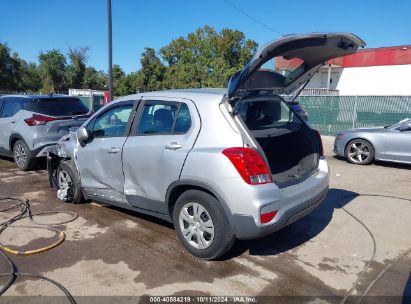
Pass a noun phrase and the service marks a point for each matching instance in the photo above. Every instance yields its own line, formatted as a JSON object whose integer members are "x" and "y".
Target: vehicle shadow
{"x": 297, "y": 233}
{"x": 378, "y": 163}
{"x": 41, "y": 163}
{"x": 283, "y": 240}
{"x": 393, "y": 165}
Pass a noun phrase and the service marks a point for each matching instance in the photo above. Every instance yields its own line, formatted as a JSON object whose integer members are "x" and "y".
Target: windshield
{"x": 397, "y": 124}
{"x": 57, "y": 107}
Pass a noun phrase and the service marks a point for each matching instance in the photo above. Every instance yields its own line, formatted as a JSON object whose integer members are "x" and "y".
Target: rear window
{"x": 57, "y": 107}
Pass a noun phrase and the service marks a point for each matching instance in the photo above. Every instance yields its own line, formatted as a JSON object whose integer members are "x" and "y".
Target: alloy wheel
{"x": 20, "y": 155}
{"x": 358, "y": 152}
{"x": 64, "y": 180}
{"x": 196, "y": 225}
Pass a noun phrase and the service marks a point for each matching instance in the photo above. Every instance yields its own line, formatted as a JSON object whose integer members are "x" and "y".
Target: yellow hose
{"x": 62, "y": 236}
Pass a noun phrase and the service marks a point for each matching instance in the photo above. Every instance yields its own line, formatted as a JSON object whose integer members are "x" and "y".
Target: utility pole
{"x": 110, "y": 53}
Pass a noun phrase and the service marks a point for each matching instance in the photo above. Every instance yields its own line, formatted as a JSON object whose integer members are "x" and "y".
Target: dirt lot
{"x": 109, "y": 251}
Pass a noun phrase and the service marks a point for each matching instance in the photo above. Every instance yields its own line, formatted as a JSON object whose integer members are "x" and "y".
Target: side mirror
{"x": 405, "y": 126}
{"x": 82, "y": 135}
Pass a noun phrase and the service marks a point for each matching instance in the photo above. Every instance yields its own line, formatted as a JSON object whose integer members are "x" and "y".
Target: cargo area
{"x": 290, "y": 146}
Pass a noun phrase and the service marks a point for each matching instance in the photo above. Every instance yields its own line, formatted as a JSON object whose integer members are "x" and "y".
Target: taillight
{"x": 249, "y": 164}
{"x": 267, "y": 217}
{"x": 37, "y": 120}
{"x": 320, "y": 142}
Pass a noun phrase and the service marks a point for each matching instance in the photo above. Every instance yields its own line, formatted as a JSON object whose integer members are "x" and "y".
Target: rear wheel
{"x": 68, "y": 183}
{"x": 359, "y": 152}
{"x": 201, "y": 225}
{"x": 23, "y": 157}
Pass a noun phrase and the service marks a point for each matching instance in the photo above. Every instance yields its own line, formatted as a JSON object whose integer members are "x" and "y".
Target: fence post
{"x": 354, "y": 118}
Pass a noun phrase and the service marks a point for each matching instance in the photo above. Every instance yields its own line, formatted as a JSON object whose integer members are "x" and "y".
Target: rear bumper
{"x": 245, "y": 227}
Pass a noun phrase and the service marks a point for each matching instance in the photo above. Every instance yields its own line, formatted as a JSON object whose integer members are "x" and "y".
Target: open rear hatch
{"x": 290, "y": 147}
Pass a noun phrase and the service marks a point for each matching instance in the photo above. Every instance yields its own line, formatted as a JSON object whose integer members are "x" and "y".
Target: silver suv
{"x": 31, "y": 123}
{"x": 218, "y": 163}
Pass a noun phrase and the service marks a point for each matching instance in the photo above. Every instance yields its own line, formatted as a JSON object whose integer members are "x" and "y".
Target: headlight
{"x": 60, "y": 149}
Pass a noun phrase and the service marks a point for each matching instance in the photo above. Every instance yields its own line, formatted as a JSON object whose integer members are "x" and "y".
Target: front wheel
{"x": 68, "y": 183}
{"x": 359, "y": 152}
{"x": 201, "y": 225}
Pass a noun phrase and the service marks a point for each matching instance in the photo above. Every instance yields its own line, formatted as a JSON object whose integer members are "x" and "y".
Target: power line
{"x": 252, "y": 18}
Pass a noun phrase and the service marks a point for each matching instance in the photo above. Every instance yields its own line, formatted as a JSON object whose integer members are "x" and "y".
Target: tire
{"x": 68, "y": 183}
{"x": 23, "y": 157}
{"x": 360, "y": 152}
{"x": 219, "y": 237}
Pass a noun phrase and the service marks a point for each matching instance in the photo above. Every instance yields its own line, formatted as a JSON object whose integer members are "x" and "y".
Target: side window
{"x": 157, "y": 118}
{"x": 90, "y": 126}
{"x": 112, "y": 123}
{"x": 1, "y": 105}
{"x": 10, "y": 108}
{"x": 183, "y": 122}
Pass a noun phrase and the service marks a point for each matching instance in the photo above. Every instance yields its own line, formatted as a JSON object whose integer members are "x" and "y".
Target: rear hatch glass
{"x": 58, "y": 107}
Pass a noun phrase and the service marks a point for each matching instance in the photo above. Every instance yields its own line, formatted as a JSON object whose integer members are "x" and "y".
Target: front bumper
{"x": 245, "y": 227}
{"x": 339, "y": 146}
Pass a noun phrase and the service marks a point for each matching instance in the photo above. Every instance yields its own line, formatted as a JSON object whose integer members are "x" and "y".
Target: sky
{"x": 29, "y": 26}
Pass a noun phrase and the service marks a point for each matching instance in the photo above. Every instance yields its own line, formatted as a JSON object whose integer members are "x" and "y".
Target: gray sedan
{"x": 364, "y": 145}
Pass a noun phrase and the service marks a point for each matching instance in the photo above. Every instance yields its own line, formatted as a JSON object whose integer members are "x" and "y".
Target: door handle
{"x": 173, "y": 146}
{"x": 113, "y": 150}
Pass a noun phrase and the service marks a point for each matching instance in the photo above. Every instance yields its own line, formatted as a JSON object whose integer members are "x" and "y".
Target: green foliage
{"x": 53, "y": 68}
{"x": 152, "y": 72}
{"x": 203, "y": 58}
{"x": 77, "y": 67}
{"x": 206, "y": 58}
{"x": 95, "y": 80}
{"x": 10, "y": 69}
{"x": 31, "y": 81}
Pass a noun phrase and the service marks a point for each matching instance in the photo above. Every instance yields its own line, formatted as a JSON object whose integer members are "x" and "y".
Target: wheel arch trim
{"x": 193, "y": 184}
{"x": 13, "y": 138}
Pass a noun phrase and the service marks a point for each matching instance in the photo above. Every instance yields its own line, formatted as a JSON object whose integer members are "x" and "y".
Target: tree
{"x": 151, "y": 75}
{"x": 77, "y": 67}
{"x": 31, "y": 78}
{"x": 127, "y": 85}
{"x": 118, "y": 75}
{"x": 206, "y": 58}
{"x": 95, "y": 80}
{"x": 53, "y": 68}
{"x": 10, "y": 69}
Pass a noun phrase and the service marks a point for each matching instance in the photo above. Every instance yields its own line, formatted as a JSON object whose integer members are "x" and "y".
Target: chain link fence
{"x": 333, "y": 114}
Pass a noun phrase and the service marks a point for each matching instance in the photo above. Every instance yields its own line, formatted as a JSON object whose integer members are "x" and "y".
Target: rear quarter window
{"x": 57, "y": 107}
